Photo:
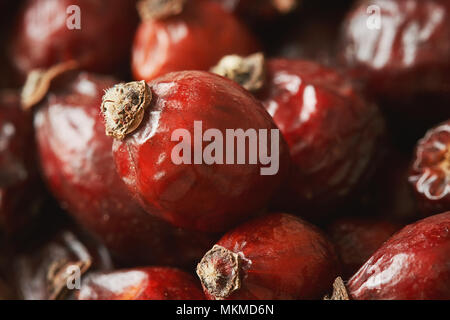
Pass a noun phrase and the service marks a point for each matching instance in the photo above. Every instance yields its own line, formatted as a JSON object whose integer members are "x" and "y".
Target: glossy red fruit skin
{"x": 78, "y": 165}
{"x": 332, "y": 132}
{"x": 285, "y": 258}
{"x": 208, "y": 198}
{"x": 407, "y": 60}
{"x": 151, "y": 283}
{"x": 196, "y": 39}
{"x": 356, "y": 239}
{"x": 429, "y": 174}
{"x": 41, "y": 37}
{"x": 20, "y": 194}
{"x": 411, "y": 265}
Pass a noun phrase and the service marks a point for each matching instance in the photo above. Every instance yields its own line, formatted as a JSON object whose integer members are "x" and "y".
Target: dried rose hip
{"x": 430, "y": 170}
{"x": 402, "y": 48}
{"x": 153, "y": 283}
{"x": 162, "y": 151}
{"x": 278, "y": 256}
{"x": 20, "y": 195}
{"x": 332, "y": 132}
{"x": 413, "y": 264}
{"x": 96, "y": 33}
{"x": 181, "y": 35}
{"x": 43, "y": 269}
{"x": 77, "y": 162}
{"x": 356, "y": 239}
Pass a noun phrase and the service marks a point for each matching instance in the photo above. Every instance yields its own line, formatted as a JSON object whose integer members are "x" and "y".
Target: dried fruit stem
{"x": 159, "y": 9}
{"x": 339, "y": 291}
{"x": 123, "y": 107}
{"x": 38, "y": 82}
{"x": 249, "y": 71}
{"x": 219, "y": 272}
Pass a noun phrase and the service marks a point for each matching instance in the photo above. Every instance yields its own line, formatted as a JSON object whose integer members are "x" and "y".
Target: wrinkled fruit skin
{"x": 203, "y": 197}
{"x": 412, "y": 265}
{"x": 357, "y": 239}
{"x": 41, "y": 37}
{"x": 20, "y": 195}
{"x": 332, "y": 133}
{"x": 77, "y": 162}
{"x": 154, "y": 283}
{"x": 407, "y": 61}
{"x": 36, "y": 268}
{"x": 196, "y": 39}
{"x": 284, "y": 257}
{"x": 430, "y": 171}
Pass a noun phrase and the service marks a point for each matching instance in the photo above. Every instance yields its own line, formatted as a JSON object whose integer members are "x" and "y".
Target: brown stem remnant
{"x": 339, "y": 291}
{"x": 61, "y": 272}
{"x": 159, "y": 9}
{"x": 123, "y": 107}
{"x": 39, "y": 81}
{"x": 220, "y": 272}
{"x": 248, "y": 71}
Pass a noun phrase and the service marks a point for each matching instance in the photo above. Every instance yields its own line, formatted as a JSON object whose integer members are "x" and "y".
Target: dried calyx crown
{"x": 39, "y": 81}
{"x": 159, "y": 9}
{"x": 123, "y": 107}
{"x": 220, "y": 272}
{"x": 339, "y": 291}
{"x": 248, "y": 71}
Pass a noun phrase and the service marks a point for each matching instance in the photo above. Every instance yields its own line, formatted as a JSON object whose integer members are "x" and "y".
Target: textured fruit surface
{"x": 357, "y": 239}
{"x": 279, "y": 257}
{"x": 206, "y": 197}
{"x": 42, "y": 36}
{"x": 430, "y": 171}
{"x": 77, "y": 161}
{"x": 413, "y": 264}
{"x": 332, "y": 132}
{"x": 20, "y": 193}
{"x": 196, "y": 39}
{"x": 155, "y": 283}
{"x": 404, "y": 55}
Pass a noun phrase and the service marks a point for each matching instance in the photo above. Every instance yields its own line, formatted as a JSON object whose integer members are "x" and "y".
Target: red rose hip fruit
{"x": 179, "y": 35}
{"x": 411, "y": 265}
{"x": 95, "y": 33}
{"x": 401, "y": 47}
{"x": 190, "y": 182}
{"x": 275, "y": 257}
{"x": 430, "y": 171}
{"x": 356, "y": 239}
{"x": 332, "y": 132}
{"x": 78, "y": 165}
{"x": 153, "y": 283}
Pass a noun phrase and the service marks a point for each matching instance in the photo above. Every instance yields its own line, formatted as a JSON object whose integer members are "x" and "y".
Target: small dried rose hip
{"x": 185, "y": 35}
{"x": 430, "y": 170}
{"x": 155, "y": 283}
{"x": 96, "y": 33}
{"x": 332, "y": 132}
{"x": 278, "y": 256}
{"x": 401, "y": 47}
{"x": 411, "y": 265}
{"x": 356, "y": 239}
{"x": 188, "y": 186}
{"x": 78, "y": 165}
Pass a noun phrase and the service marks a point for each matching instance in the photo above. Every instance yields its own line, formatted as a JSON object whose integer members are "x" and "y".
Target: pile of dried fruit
{"x": 255, "y": 149}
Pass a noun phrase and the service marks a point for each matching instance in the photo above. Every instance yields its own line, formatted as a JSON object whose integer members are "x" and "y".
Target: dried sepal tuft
{"x": 219, "y": 272}
{"x": 123, "y": 107}
{"x": 38, "y": 82}
{"x": 339, "y": 291}
{"x": 159, "y": 9}
{"x": 248, "y": 71}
